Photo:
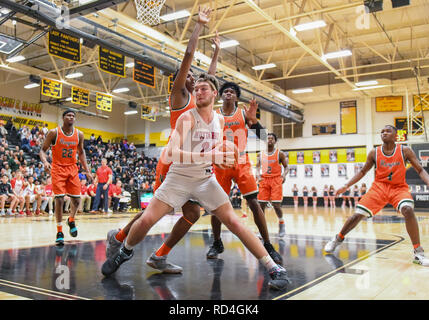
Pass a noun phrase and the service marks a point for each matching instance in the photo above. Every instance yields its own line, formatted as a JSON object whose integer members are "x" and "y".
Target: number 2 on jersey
{"x": 67, "y": 153}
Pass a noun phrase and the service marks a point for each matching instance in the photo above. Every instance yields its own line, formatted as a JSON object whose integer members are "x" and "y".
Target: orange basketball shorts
{"x": 271, "y": 189}
{"x": 242, "y": 175}
{"x": 381, "y": 194}
{"x": 161, "y": 173}
{"x": 65, "y": 181}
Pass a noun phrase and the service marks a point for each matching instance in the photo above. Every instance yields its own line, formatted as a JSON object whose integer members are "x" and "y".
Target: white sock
{"x": 268, "y": 262}
{"x": 127, "y": 246}
{"x": 281, "y": 220}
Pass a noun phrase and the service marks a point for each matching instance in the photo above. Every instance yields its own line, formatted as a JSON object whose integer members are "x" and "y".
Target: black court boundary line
{"x": 333, "y": 272}
{"x": 44, "y": 292}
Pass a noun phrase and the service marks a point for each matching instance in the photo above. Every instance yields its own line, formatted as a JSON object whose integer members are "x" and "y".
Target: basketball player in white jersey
{"x": 195, "y": 144}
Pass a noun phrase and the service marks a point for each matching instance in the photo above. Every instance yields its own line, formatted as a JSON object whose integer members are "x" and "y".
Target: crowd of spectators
{"x": 26, "y": 188}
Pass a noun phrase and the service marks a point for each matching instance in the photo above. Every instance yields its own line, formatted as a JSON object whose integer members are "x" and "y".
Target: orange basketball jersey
{"x": 65, "y": 148}
{"x": 176, "y": 113}
{"x": 270, "y": 164}
{"x": 235, "y": 129}
{"x": 390, "y": 169}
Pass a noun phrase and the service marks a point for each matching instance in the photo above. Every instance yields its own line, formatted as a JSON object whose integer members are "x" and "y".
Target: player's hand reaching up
{"x": 216, "y": 41}
{"x": 341, "y": 190}
{"x": 250, "y": 112}
{"x": 204, "y": 15}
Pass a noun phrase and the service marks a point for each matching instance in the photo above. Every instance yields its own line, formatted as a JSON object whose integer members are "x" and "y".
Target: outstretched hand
{"x": 216, "y": 41}
{"x": 204, "y": 15}
{"x": 250, "y": 112}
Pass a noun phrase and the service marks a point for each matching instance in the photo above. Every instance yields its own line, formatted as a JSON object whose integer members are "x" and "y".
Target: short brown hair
{"x": 210, "y": 79}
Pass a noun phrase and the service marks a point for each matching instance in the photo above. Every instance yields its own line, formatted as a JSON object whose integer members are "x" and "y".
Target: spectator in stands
{"x": 39, "y": 170}
{"x": 25, "y": 142}
{"x": 9, "y": 126}
{"x": 3, "y": 131}
{"x": 35, "y": 130}
{"x": 39, "y": 192}
{"x": 115, "y": 194}
{"x": 110, "y": 154}
{"x": 132, "y": 146}
{"x": 18, "y": 185}
{"x": 104, "y": 179}
{"x": 82, "y": 176}
{"x": 48, "y": 197}
{"x": 91, "y": 191}
{"x": 45, "y": 129}
{"x": 7, "y": 196}
{"x": 92, "y": 139}
{"x": 85, "y": 199}
{"x": 99, "y": 140}
{"x": 30, "y": 196}
{"x": 7, "y": 170}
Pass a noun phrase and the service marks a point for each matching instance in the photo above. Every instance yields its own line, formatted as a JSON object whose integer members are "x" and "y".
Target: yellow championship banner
{"x": 51, "y": 88}
{"x": 111, "y": 62}
{"x": 64, "y": 46}
{"x": 144, "y": 73}
{"x": 145, "y": 110}
{"x": 80, "y": 96}
{"x": 388, "y": 104}
{"x": 348, "y": 117}
{"x": 170, "y": 83}
{"x": 103, "y": 102}
{"x": 423, "y": 100}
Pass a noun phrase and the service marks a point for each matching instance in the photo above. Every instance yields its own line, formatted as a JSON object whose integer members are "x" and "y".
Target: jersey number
{"x": 67, "y": 153}
{"x": 389, "y": 177}
{"x": 269, "y": 170}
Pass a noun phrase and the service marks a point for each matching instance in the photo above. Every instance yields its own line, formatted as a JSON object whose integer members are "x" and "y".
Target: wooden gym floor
{"x": 375, "y": 262}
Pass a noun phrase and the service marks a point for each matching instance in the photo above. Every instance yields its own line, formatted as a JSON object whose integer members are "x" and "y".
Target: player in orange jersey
{"x": 271, "y": 180}
{"x": 67, "y": 143}
{"x": 181, "y": 100}
{"x": 390, "y": 187}
{"x": 236, "y": 122}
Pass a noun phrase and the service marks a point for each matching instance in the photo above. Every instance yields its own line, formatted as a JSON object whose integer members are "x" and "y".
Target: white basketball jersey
{"x": 201, "y": 138}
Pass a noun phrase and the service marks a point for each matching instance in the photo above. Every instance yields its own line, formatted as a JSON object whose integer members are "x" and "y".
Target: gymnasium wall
{"x": 368, "y": 135}
{"x": 14, "y": 97}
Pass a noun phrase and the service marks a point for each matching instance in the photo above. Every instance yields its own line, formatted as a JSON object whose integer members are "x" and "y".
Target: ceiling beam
{"x": 297, "y": 41}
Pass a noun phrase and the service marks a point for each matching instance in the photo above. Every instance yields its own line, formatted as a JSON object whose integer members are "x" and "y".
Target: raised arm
{"x": 179, "y": 93}
{"x": 370, "y": 161}
{"x": 213, "y": 64}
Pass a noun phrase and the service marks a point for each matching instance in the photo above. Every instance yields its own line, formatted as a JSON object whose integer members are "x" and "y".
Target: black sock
{"x": 127, "y": 252}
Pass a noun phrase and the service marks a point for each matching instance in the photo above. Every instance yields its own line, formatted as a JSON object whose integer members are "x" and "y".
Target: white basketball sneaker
{"x": 333, "y": 244}
{"x": 419, "y": 257}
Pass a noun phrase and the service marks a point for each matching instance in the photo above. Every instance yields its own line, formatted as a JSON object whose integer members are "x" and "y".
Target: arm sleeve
{"x": 258, "y": 130}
